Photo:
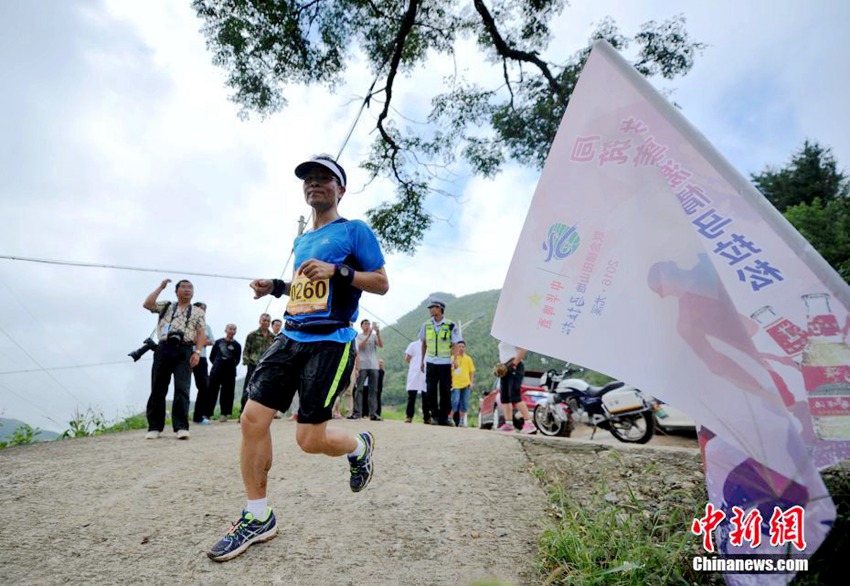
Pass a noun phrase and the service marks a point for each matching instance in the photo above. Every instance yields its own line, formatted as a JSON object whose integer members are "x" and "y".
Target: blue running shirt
{"x": 349, "y": 242}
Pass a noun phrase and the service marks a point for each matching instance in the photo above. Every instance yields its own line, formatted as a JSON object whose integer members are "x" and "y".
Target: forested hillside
{"x": 476, "y": 311}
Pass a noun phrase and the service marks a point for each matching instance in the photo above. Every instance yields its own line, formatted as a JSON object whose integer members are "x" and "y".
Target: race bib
{"x": 306, "y": 296}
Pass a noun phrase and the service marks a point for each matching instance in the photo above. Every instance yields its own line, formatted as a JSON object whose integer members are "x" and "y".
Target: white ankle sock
{"x": 360, "y": 449}
{"x": 258, "y": 508}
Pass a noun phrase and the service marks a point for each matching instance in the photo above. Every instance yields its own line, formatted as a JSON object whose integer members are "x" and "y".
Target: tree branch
{"x": 508, "y": 81}
{"x": 507, "y": 52}
{"x": 404, "y": 30}
{"x": 376, "y": 10}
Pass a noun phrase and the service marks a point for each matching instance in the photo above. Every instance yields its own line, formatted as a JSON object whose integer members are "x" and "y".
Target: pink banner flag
{"x": 646, "y": 256}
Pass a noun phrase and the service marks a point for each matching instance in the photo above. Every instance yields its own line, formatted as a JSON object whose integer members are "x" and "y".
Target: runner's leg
{"x": 256, "y": 453}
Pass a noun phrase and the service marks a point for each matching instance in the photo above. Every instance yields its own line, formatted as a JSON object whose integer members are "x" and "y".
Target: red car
{"x": 532, "y": 393}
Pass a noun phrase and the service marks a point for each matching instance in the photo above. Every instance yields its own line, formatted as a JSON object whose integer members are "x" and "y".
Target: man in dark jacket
{"x": 225, "y": 356}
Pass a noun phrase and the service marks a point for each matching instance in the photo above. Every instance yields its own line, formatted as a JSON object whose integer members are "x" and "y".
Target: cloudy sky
{"x": 118, "y": 146}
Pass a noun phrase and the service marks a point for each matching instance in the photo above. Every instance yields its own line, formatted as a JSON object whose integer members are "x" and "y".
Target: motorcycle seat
{"x": 597, "y": 391}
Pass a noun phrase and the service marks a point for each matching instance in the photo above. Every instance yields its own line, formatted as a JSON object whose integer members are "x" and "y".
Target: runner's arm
{"x": 370, "y": 281}
{"x": 263, "y": 287}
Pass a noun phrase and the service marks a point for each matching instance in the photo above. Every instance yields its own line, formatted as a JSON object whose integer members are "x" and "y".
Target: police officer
{"x": 438, "y": 336}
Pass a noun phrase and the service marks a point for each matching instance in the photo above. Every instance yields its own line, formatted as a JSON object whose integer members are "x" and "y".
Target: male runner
{"x": 336, "y": 261}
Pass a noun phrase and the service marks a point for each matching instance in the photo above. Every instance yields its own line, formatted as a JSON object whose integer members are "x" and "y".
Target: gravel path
{"x": 446, "y": 506}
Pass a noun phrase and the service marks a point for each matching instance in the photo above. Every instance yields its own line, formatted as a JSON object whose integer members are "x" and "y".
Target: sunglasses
{"x": 323, "y": 178}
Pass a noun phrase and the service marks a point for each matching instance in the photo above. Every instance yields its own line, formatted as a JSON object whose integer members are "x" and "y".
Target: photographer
{"x": 181, "y": 334}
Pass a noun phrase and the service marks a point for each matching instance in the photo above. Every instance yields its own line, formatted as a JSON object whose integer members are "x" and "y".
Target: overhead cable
{"x": 37, "y": 407}
{"x": 123, "y": 268}
{"x": 38, "y": 364}
{"x": 72, "y": 366}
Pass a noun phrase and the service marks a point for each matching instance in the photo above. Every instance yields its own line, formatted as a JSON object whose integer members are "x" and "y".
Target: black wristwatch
{"x": 280, "y": 287}
{"x": 345, "y": 272}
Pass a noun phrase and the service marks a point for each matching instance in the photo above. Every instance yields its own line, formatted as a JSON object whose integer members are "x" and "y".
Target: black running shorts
{"x": 318, "y": 371}
{"x": 511, "y": 385}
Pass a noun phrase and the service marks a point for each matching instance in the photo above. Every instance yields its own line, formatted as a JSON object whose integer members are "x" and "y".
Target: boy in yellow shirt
{"x": 463, "y": 377}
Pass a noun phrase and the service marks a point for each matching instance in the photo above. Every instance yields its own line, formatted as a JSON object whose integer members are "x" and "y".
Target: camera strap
{"x": 174, "y": 314}
{"x": 188, "y": 314}
{"x": 163, "y": 311}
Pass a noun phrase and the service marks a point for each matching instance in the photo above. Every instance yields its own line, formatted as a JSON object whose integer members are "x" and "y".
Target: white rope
{"x": 123, "y": 268}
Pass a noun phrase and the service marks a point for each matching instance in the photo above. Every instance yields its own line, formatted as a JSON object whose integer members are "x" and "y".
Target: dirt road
{"x": 446, "y": 506}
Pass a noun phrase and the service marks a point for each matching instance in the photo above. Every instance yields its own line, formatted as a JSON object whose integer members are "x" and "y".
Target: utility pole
{"x": 302, "y": 223}
{"x": 474, "y": 317}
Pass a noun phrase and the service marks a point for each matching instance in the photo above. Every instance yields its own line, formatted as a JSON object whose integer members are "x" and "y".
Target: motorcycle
{"x": 617, "y": 407}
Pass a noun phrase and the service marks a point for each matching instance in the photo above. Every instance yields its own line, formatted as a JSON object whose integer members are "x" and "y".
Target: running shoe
{"x": 509, "y": 427}
{"x": 361, "y": 468}
{"x": 528, "y": 428}
{"x": 246, "y": 531}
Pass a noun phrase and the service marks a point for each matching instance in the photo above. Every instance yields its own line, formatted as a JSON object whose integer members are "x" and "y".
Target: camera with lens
{"x": 174, "y": 337}
{"x": 147, "y": 345}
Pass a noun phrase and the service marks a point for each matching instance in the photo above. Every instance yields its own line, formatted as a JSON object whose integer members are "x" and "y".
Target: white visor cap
{"x": 303, "y": 169}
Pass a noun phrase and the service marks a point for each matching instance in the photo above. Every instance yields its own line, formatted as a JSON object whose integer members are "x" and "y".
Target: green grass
{"x": 22, "y": 436}
{"x": 393, "y": 412}
{"x": 137, "y": 421}
{"x": 832, "y": 553}
{"x": 629, "y": 543}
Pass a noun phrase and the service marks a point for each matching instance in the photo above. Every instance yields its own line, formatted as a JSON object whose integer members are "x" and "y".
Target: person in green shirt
{"x": 256, "y": 343}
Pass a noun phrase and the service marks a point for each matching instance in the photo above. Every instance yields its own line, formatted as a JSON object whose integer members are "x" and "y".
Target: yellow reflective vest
{"x": 438, "y": 342}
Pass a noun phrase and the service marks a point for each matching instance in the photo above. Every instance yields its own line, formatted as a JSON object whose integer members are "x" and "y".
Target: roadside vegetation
{"x": 90, "y": 422}
{"x": 626, "y": 523}
{"x": 21, "y": 436}
{"x": 832, "y": 553}
{"x": 625, "y": 526}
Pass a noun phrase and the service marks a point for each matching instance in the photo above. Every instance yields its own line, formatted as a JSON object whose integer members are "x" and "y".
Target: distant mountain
{"x": 8, "y": 427}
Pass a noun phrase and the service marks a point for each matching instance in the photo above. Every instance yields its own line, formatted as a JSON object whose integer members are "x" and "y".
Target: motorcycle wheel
{"x": 546, "y": 424}
{"x": 633, "y": 429}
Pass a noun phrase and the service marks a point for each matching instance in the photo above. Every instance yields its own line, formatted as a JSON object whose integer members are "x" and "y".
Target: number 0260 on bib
{"x": 306, "y": 296}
